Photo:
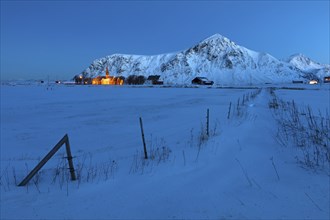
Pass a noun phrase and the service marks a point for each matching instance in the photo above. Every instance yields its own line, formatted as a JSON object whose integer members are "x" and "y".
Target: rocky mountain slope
{"x": 217, "y": 58}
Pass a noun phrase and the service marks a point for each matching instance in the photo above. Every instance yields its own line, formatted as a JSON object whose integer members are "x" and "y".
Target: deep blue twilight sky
{"x": 61, "y": 38}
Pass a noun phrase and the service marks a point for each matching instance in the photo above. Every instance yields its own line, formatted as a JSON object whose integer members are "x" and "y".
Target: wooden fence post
{"x": 64, "y": 140}
{"x": 207, "y": 122}
{"x": 69, "y": 157}
{"x": 228, "y": 116}
{"x": 143, "y": 140}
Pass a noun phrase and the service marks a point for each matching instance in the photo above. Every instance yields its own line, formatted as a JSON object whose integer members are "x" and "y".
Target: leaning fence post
{"x": 64, "y": 140}
{"x": 143, "y": 140}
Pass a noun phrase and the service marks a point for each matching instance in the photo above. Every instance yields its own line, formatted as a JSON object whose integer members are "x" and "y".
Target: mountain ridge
{"x": 215, "y": 57}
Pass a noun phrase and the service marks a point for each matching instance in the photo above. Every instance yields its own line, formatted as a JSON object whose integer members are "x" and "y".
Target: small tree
{"x": 130, "y": 79}
{"x": 135, "y": 80}
{"x": 140, "y": 80}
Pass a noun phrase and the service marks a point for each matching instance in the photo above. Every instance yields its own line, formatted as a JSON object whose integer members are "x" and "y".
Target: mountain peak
{"x": 216, "y": 37}
{"x": 219, "y": 42}
{"x": 298, "y": 56}
{"x": 304, "y": 63}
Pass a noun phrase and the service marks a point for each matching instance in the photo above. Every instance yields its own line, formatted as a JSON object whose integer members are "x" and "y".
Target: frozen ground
{"x": 239, "y": 172}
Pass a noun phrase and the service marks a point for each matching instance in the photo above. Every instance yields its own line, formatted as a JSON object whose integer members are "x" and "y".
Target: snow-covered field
{"x": 240, "y": 171}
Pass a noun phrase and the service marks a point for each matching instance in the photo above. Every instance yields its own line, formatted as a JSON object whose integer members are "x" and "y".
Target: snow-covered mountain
{"x": 308, "y": 66}
{"x": 216, "y": 57}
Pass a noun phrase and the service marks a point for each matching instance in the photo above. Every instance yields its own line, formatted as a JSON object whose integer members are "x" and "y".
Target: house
{"x": 202, "y": 81}
{"x": 79, "y": 79}
{"x": 108, "y": 80}
{"x": 297, "y": 81}
{"x": 313, "y": 82}
{"x": 97, "y": 80}
{"x": 111, "y": 80}
{"x": 154, "y": 80}
{"x": 326, "y": 79}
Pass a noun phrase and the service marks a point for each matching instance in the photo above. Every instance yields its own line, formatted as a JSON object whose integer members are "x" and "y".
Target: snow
{"x": 216, "y": 37}
{"x": 229, "y": 176}
{"x": 218, "y": 58}
{"x": 255, "y": 55}
{"x": 304, "y": 63}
